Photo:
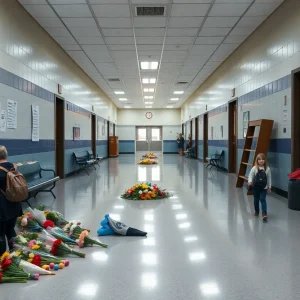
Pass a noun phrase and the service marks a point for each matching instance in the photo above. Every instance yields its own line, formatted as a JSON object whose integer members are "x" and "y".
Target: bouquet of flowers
{"x": 83, "y": 238}
{"x": 150, "y": 155}
{"x": 27, "y": 222}
{"x": 6, "y": 279}
{"x": 40, "y": 217}
{"x": 60, "y": 234}
{"x": 146, "y": 161}
{"x": 57, "y": 247}
{"x": 145, "y": 191}
{"x": 56, "y": 217}
{"x": 32, "y": 244}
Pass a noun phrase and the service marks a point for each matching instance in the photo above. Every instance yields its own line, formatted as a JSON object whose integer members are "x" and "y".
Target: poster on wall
{"x": 98, "y": 130}
{"x": 35, "y": 133}
{"x": 246, "y": 118}
{"x": 76, "y": 133}
{"x": 2, "y": 120}
{"x": 103, "y": 129}
{"x": 12, "y": 112}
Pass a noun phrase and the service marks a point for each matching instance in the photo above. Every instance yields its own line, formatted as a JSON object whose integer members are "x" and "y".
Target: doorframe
{"x": 182, "y": 129}
{"x": 196, "y": 135}
{"x": 295, "y": 122}
{"x": 93, "y": 133}
{"x": 231, "y": 143}
{"x": 114, "y": 129}
{"x": 191, "y": 129}
{"x": 107, "y": 125}
{"x": 205, "y": 136}
{"x": 59, "y": 127}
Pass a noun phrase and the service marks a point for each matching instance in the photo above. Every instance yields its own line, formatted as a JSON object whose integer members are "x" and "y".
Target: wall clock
{"x": 149, "y": 115}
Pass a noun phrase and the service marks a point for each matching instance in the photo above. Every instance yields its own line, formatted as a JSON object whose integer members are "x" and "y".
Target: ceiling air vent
{"x": 114, "y": 79}
{"x": 150, "y": 11}
{"x": 181, "y": 82}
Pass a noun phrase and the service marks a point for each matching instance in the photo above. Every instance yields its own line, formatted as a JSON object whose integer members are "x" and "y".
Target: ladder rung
{"x": 249, "y": 150}
{"x": 255, "y": 123}
{"x": 244, "y": 177}
{"x": 247, "y": 164}
{"x": 251, "y": 137}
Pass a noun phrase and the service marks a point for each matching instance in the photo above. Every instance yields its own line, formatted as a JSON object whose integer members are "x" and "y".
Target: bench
{"x": 215, "y": 160}
{"x": 190, "y": 152}
{"x": 37, "y": 180}
{"x": 95, "y": 159}
{"x": 83, "y": 160}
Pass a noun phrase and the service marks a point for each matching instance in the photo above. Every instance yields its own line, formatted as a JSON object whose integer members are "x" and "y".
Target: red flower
{"x": 48, "y": 223}
{"x": 36, "y": 260}
{"x": 1, "y": 276}
{"x": 5, "y": 264}
{"x": 55, "y": 246}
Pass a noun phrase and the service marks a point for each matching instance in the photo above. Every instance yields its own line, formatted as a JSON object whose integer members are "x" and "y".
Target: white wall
{"x": 28, "y": 51}
{"x": 138, "y": 117}
{"x": 73, "y": 119}
{"x": 270, "y": 53}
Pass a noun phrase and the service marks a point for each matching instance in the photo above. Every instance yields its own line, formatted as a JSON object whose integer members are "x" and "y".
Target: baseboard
{"x": 126, "y": 152}
{"x": 280, "y": 192}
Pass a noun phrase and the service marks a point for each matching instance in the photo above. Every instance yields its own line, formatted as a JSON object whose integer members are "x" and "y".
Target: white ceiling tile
{"x": 119, "y": 55}
{"x": 185, "y": 21}
{"x": 85, "y": 31}
{"x": 261, "y": 9}
{"x": 251, "y": 21}
{"x": 126, "y": 40}
{"x": 64, "y": 40}
{"x": 79, "y": 22}
{"x": 209, "y": 40}
{"x": 182, "y": 31}
{"x": 241, "y": 31}
{"x": 192, "y": 1}
{"x": 203, "y": 50}
{"x": 147, "y": 58}
{"x": 100, "y": 48}
{"x": 149, "y": 47}
{"x": 189, "y": 10}
{"x": 152, "y": 2}
{"x": 33, "y": 2}
{"x": 143, "y": 32}
{"x": 147, "y": 22}
{"x": 50, "y": 22}
{"x": 97, "y": 57}
{"x": 234, "y": 1}
{"x": 108, "y": 1}
{"x": 117, "y": 32}
{"x": 121, "y": 47}
{"x": 57, "y": 31}
{"x": 73, "y": 11}
{"x": 40, "y": 11}
{"x": 228, "y": 10}
{"x": 177, "y": 47}
{"x": 235, "y": 39}
{"x": 71, "y": 47}
{"x": 111, "y": 11}
{"x": 149, "y": 40}
{"x": 67, "y": 1}
{"x": 87, "y": 40}
{"x": 214, "y": 31}
{"x": 173, "y": 59}
{"x": 172, "y": 40}
{"x": 170, "y": 66}
{"x": 197, "y": 60}
{"x": 149, "y": 53}
{"x": 220, "y": 21}
{"x": 115, "y": 22}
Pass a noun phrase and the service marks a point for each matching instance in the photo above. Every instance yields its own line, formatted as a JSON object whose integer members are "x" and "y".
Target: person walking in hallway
{"x": 180, "y": 141}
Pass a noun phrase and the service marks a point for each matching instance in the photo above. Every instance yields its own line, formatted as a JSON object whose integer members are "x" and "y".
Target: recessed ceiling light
{"x": 148, "y": 102}
{"x": 149, "y": 90}
{"x": 149, "y": 65}
{"x": 148, "y": 106}
{"x": 123, "y": 99}
{"x": 179, "y": 92}
{"x": 148, "y": 97}
{"x": 174, "y": 99}
{"x": 119, "y": 93}
{"x": 170, "y": 106}
{"x": 127, "y": 106}
{"x": 149, "y": 80}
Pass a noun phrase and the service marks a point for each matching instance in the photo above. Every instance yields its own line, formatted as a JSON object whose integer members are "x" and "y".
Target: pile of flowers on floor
{"x": 149, "y": 155}
{"x": 146, "y": 161}
{"x": 44, "y": 241}
{"x": 145, "y": 191}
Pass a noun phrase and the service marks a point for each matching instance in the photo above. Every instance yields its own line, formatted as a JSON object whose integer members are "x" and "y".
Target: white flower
{"x": 145, "y": 191}
{"x": 149, "y": 192}
{"x": 140, "y": 192}
{"x": 151, "y": 187}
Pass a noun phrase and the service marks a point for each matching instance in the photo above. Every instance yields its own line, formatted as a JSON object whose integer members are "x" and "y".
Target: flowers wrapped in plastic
{"x": 60, "y": 234}
{"x": 35, "y": 244}
{"x": 8, "y": 279}
{"x": 40, "y": 217}
{"x": 83, "y": 238}
{"x": 146, "y": 161}
{"x": 28, "y": 222}
{"x": 56, "y": 217}
{"x": 149, "y": 155}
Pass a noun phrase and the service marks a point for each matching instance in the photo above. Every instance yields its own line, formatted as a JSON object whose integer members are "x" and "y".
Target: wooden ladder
{"x": 262, "y": 145}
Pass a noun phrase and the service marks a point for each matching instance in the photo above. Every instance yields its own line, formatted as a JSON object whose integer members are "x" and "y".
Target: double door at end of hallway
{"x": 149, "y": 138}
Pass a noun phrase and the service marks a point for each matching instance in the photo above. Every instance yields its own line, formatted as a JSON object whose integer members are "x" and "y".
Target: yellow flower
{"x": 35, "y": 247}
{"x": 29, "y": 260}
{"x": 31, "y": 255}
{"x": 4, "y": 255}
{"x": 18, "y": 253}
{"x": 145, "y": 186}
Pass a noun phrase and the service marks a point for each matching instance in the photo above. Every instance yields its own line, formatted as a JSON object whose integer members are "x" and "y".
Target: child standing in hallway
{"x": 260, "y": 182}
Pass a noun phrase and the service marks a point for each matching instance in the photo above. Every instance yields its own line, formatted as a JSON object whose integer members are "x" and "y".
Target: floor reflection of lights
{"x": 149, "y": 280}
{"x": 184, "y": 225}
{"x": 190, "y": 239}
{"x": 149, "y": 259}
{"x": 209, "y": 289}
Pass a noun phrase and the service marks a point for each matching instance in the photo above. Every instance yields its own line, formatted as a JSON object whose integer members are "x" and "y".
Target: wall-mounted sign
{"x": 59, "y": 89}
{"x": 76, "y": 133}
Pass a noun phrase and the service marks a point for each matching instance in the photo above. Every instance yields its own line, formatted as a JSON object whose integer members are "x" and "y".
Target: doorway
{"x": 205, "y": 137}
{"x": 182, "y": 129}
{"x": 232, "y": 135}
{"x": 148, "y": 138}
{"x": 191, "y": 129}
{"x": 295, "y": 107}
{"x": 114, "y": 129}
{"x": 93, "y": 131}
{"x": 60, "y": 137}
{"x": 196, "y": 136}
{"x": 108, "y": 134}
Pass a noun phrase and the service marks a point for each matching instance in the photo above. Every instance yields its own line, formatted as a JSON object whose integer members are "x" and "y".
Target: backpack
{"x": 16, "y": 186}
{"x": 260, "y": 179}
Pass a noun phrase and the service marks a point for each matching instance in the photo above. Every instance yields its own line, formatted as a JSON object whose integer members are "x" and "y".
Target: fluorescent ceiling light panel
{"x": 149, "y": 90}
{"x": 170, "y": 106}
{"x": 149, "y": 80}
{"x": 127, "y": 106}
{"x": 123, "y": 99}
{"x": 149, "y": 65}
{"x": 148, "y": 102}
{"x": 119, "y": 93}
{"x": 174, "y": 99}
{"x": 178, "y": 92}
{"x": 148, "y": 106}
{"x": 148, "y": 97}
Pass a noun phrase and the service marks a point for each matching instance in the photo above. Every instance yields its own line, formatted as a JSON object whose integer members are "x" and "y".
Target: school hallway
{"x": 202, "y": 243}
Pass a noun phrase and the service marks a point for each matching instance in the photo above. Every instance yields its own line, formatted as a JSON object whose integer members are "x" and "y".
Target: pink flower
{"x": 24, "y": 222}
{"x": 31, "y": 243}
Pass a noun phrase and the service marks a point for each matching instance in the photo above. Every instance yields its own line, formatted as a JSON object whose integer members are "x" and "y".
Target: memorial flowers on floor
{"x": 146, "y": 161}
{"x": 150, "y": 155}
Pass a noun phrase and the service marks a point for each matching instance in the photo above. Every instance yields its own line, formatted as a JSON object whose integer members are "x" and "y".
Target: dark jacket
{"x": 8, "y": 210}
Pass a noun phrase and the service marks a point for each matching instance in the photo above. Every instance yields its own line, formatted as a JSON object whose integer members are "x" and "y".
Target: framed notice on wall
{"x": 76, "y": 133}
{"x": 246, "y": 119}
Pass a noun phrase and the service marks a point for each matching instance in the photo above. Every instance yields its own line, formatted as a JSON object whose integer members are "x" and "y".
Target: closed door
{"x": 149, "y": 138}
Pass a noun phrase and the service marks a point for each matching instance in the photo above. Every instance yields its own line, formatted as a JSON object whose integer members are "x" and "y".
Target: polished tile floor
{"x": 203, "y": 243}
